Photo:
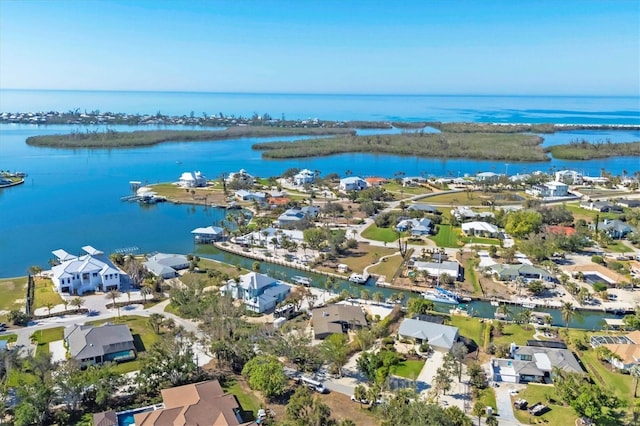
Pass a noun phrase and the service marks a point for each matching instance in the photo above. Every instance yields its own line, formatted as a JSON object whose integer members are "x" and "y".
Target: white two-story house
{"x": 87, "y": 273}
{"x": 259, "y": 292}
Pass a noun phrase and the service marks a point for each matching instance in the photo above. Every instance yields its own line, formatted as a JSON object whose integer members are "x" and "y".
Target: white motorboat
{"x": 357, "y": 278}
{"x": 442, "y": 296}
{"x": 304, "y": 281}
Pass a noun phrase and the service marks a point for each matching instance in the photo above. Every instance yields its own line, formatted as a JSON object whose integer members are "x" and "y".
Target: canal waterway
{"x": 590, "y": 320}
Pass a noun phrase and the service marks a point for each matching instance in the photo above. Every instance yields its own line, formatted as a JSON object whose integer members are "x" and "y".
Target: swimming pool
{"x": 126, "y": 417}
{"x": 593, "y": 277}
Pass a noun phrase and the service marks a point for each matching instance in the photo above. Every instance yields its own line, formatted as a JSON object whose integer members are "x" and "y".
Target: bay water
{"x": 71, "y": 197}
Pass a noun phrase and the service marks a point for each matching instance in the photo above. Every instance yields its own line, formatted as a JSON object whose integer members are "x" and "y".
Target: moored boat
{"x": 442, "y": 296}
{"x": 357, "y": 278}
{"x": 304, "y": 281}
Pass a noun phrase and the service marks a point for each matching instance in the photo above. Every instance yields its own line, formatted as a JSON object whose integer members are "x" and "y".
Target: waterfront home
{"x": 304, "y": 177}
{"x": 264, "y": 237}
{"x": 487, "y": 177}
{"x": 294, "y": 217}
{"x": 336, "y": 319}
{"x": 570, "y": 177}
{"x": 601, "y": 206}
{"x": 439, "y": 336}
{"x": 375, "y": 181}
{"x": 615, "y": 229}
{"x": 549, "y": 190}
{"x": 435, "y": 269}
{"x": 533, "y": 364}
{"x": 166, "y": 265}
{"x": 416, "y": 226}
{"x": 192, "y": 180}
{"x": 527, "y": 272}
{"x": 411, "y": 181}
{"x": 208, "y": 234}
{"x": 241, "y": 177}
{"x": 480, "y": 229}
{"x": 352, "y": 183}
{"x": 95, "y": 345}
{"x": 244, "y": 195}
{"x": 91, "y": 272}
{"x": 260, "y": 293}
{"x": 625, "y": 349}
{"x": 203, "y": 403}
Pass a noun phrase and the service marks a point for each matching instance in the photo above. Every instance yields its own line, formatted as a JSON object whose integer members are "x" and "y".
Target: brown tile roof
{"x": 106, "y": 418}
{"x": 201, "y": 404}
{"x": 634, "y": 336}
{"x": 628, "y": 353}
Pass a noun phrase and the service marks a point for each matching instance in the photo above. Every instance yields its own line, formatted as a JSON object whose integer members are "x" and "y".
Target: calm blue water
{"x": 71, "y": 197}
{"x": 502, "y": 109}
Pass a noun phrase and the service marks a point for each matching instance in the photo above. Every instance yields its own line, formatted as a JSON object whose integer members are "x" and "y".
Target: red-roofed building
{"x": 279, "y": 201}
{"x": 560, "y": 230}
{"x": 375, "y": 181}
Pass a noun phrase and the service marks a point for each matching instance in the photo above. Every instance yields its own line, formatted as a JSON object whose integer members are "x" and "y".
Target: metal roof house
{"x": 528, "y": 272}
{"x": 259, "y": 292}
{"x": 440, "y": 337}
{"x": 91, "y": 272}
{"x": 208, "y": 234}
{"x": 95, "y": 345}
{"x": 166, "y": 265}
{"x": 435, "y": 269}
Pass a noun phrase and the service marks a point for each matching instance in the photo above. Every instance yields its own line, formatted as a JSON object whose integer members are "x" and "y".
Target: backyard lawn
{"x": 480, "y": 240}
{"x": 364, "y": 255}
{"x": 248, "y": 401}
{"x": 224, "y": 268}
{"x": 409, "y": 369}
{"x": 447, "y": 236}
{"x": 469, "y": 327}
{"x": 14, "y": 292}
{"x": 380, "y": 234}
{"x": 143, "y": 338}
{"x": 388, "y": 268}
{"x": 10, "y": 338}
{"x": 471, "y": 276}
{"x": 45, "y": 294}
{"x": 476, "y": 198}
{"x": 558, "y": 415}
{"x": 514, "y": 333}
{"x": 406, "y": 191}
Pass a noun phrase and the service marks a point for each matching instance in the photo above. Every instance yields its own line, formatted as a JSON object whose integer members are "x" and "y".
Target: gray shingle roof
{"x": 438, "y": 335}
{"x": 86, "y": 341}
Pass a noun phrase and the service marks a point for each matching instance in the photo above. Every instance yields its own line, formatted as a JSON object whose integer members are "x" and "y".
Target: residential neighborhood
{"x": 465, "y": 306}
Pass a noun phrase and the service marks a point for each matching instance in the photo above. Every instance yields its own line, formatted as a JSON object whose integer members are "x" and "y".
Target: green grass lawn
{"x": 388, "y": 268}
{"x": 44, "y": 337}
{"x": 474, "y": 198}
{"x": 14, "y": 293}
{"x": 480, "y": 240}
{"x": 247, "y": 400}
{"x": 10, "y": 338}
{"x": 589, "y": 215}
{"x": 230, "y": 270}
{"x": 617, "y": 247}
{"x": 559, "y": 415}
{"x": 488, "y": 398}
{"x": 392, "y": 186}
{"x": 364, "y": 256}
{"x": 514, "y": 333}
{"x": 447, "y": 236}
{"x": 469, "y": 327}
{"x": 380, "y": 234}
{"x": 471, "y": 276}
{"x": 408, "y": 369}
{"x": 45, "y": 294}
{"x": 143, "y": 338}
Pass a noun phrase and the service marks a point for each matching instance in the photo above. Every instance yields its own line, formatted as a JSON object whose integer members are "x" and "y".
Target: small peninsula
{"x": 481, "y": 146}
{"x": 113, "y": 139}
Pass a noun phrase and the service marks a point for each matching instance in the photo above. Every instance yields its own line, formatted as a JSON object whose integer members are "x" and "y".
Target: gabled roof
{"x": 105, "y": 418}
{"x": 439, "y": 335}
{"x": 481, "y": 226}
{"x": 628, "y": 353}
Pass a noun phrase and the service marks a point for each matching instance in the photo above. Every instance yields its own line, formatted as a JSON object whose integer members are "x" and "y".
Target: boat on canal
{"x": 442, "y": 296}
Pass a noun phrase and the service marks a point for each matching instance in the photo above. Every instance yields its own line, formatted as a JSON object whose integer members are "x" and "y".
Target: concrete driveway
{"x": 503, "y": 402}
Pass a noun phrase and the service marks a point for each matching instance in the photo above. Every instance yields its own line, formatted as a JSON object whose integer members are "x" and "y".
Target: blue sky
{"x": 413, "y": 47}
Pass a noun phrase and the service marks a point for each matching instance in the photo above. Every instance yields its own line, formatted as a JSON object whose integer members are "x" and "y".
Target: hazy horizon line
{"x": 322, "y": 93}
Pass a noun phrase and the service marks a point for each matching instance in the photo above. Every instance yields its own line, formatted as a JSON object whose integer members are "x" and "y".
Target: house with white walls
{"x": 90, "y": 272}
{"x": 303, "y": 177}
{"x": 260, "y": 293}
{"x": 192, "y": 180}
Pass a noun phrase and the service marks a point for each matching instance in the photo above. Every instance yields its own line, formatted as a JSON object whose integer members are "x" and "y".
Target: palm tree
{"x": 49, "y": 306}
{"x": 568, "y": 312}
{"x": 478, "y": 410}
{"x": 365, "y": 295}
{"x": 65, "y": 302}
{"x": 377, "y": 297}
{"x": 77, "y": 303}
{"x": 504, "y": 310}
{"x": 635, "y": 372}
{"x": 145, "y": 291}
{"x": 113, "y": 295}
